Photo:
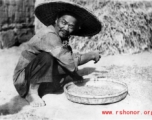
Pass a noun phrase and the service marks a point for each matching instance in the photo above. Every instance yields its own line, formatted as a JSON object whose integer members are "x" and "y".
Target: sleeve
{"x": 77, "y": 58}
{"x": 66, "y": 59}
{"x": 51, "y": 43}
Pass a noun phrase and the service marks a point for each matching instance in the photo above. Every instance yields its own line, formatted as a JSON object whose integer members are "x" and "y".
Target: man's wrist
{"x": 92, "y": 56}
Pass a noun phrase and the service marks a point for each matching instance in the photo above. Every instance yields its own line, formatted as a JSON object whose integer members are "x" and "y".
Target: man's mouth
{"x": 64, "y": 33}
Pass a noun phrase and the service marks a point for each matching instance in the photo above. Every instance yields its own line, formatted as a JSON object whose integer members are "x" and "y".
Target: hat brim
{"x": 47, "y": 14}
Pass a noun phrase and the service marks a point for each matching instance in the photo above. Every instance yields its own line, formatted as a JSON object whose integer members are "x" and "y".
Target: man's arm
{"x": 94, "y": 55}
{"x": 52, "y": 44}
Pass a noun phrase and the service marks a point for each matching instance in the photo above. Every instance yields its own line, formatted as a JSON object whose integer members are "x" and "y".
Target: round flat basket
{"x": 96, "y": 92}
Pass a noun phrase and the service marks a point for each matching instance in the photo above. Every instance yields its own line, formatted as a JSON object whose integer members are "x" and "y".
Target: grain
{"x": 101, "y": 90}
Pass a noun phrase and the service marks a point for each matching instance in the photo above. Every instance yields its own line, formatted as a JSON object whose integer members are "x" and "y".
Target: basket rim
{"x": 97, "y": 97}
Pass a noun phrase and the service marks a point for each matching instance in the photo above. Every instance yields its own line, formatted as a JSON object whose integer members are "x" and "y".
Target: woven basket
{"x": 88, "y": 99}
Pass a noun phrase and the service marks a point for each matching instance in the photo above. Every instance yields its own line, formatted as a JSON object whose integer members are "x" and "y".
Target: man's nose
{"x": 66, "y": 27}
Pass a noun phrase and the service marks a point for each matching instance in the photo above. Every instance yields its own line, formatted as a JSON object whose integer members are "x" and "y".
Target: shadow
{"x": 13, "y": 106}
{"x": 100, "y": 74}
{"x": 48, "y": 88}
{"x": 104, "y": 72}
{"x": 86, "y": 71}
{"x": 59, "y": 92}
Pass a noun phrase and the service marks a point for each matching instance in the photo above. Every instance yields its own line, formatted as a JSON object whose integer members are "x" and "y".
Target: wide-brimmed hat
{"x": 48, "y": 12}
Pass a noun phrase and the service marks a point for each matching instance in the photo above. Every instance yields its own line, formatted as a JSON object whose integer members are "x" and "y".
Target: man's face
{"x": 65, "y": 25}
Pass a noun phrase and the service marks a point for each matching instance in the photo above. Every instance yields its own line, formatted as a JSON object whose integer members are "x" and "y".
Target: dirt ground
{"x": 134, "y": 70}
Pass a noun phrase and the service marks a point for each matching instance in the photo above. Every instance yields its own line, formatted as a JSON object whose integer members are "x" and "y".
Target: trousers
{"x": 45, "y": 70}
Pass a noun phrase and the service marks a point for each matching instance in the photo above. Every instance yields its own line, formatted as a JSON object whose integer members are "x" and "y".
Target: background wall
{"x": 16, "y": 22}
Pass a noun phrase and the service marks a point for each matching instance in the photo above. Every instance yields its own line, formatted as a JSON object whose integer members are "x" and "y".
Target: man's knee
{"x": 46, "y": 58}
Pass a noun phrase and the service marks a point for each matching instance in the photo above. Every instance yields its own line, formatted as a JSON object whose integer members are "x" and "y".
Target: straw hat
{"x": 47, "y": 13}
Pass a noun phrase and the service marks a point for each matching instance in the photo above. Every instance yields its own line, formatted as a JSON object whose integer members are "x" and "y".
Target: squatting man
{"x": 47, "y": 58}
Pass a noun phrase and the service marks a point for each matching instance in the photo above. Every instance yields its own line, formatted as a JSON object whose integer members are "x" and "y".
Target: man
{"x": 47, "y": 58}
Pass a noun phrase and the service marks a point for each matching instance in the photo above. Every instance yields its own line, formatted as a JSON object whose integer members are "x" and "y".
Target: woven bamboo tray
{"x": 91, "y": 99}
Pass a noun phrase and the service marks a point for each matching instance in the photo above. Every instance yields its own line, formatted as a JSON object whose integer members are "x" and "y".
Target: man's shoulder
{"x": 45, "y": 32}
{"x": 46, "y": 29}
{"x": 52, "y": 38}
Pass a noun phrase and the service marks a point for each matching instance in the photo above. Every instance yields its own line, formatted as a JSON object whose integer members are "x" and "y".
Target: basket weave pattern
{"x": 84, "y": 99}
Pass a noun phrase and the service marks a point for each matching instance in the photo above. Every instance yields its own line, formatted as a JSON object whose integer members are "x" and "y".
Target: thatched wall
{"x": 16, "y": 22}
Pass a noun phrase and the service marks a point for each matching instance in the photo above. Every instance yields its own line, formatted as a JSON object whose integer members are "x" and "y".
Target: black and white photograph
{"x": 75, "y": 59}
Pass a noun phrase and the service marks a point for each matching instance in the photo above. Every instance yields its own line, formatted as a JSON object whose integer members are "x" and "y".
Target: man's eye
{"x": 63, "y": 22}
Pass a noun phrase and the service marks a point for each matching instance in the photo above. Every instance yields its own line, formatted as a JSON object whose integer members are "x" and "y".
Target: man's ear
{"x": 56, "y": 21}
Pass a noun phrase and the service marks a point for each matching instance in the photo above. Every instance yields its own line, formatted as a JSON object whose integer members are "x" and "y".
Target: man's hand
{"x": 86, "y": 57}
{"x": 95, "y": 56}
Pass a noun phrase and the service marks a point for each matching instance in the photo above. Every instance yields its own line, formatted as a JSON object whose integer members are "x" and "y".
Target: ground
{"x": 134, "y": 70}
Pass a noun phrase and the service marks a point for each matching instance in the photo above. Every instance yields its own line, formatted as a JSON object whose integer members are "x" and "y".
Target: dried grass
{"x": 126, "y": 28}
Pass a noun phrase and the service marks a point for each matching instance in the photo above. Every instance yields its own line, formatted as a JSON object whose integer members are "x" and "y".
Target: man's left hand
{"x": 96, "y": 56}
